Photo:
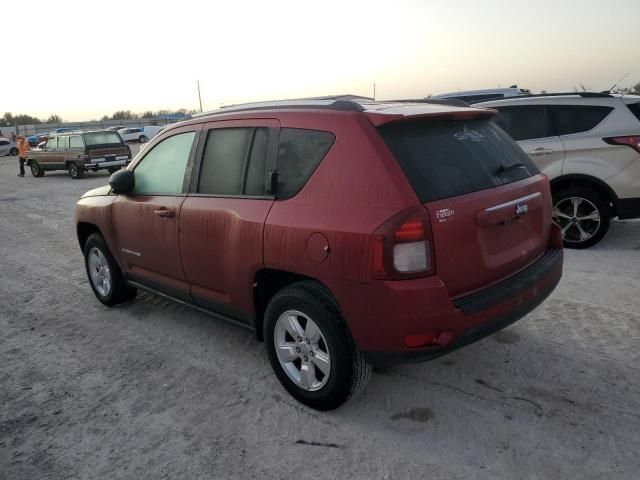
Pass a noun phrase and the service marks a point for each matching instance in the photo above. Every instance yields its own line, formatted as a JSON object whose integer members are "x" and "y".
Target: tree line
{"x": 129, "y": 115}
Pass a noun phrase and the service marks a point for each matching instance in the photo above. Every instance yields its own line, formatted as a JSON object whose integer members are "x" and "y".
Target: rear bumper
{"x": 628, "y": 208}
{"x": 103, "y": 165}
{"x": 423, "y": 306}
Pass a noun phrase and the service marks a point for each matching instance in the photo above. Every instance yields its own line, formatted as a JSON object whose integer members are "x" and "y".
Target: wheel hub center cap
{"x": 304, "y": 349}
{"x": 574, "y": 220}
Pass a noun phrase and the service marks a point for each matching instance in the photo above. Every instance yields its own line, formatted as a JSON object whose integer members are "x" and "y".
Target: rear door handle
{"x": 541, "y": 151}
{"x": 164, "y": 212}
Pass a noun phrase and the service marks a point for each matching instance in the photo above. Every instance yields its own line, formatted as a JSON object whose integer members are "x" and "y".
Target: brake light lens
{"x": 403, "y": 246}
{"x": 632, "y": 141}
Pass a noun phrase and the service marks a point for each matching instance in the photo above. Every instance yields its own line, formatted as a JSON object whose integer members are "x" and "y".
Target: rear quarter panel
{"x": 357, "y": 186}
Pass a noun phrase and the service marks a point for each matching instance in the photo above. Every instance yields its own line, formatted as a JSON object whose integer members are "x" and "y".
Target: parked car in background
{"x": 345, "y": 233}
{"x": 116, "y": 128}
{"x": 78, "y": 152}
{"x": 35, "y": 140}
{"x": 588, "y": 144}
{"x": 473, "y": 96}
{"x": 136, "y": 134}
{"x": 7, "y": 147}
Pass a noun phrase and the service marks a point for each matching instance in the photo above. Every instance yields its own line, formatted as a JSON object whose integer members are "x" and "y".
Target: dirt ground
{"x": 153, "y": 389}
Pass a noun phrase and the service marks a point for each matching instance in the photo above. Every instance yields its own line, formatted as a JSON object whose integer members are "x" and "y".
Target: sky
{"x": 84, "y": 59}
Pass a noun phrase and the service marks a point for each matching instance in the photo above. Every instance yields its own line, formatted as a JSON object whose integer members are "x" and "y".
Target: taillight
{"x": 632, "y": 141}
{"x": 403, "y": 246}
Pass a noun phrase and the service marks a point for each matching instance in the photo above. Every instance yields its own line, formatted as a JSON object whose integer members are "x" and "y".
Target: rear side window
{"x": 63, "y": 142}
{"x": 299, "y": 153}
{"x": 578, "y": 118}
{"x": 525, "y": 123}
{"x": 102, "y": 138}
{"x": 76, "y": 142}
{"x": 635, "y": 109}
{"x": 228, "y": 154}
{"x": 448, "y": 158}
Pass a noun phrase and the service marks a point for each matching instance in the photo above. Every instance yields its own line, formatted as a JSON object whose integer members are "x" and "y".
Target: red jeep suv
{"x": 346, "y": 234}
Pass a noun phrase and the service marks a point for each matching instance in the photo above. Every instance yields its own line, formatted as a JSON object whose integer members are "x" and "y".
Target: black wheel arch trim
{"x": 579, "y": 177}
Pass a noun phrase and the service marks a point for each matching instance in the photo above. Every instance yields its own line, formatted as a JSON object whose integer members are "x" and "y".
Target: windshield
{"x": 447, "y": 158}
{"x": 101, "y": 138}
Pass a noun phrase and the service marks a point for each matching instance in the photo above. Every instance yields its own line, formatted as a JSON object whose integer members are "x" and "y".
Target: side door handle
{"x": 165, "y": 213}
{"x": 541, "y": 151}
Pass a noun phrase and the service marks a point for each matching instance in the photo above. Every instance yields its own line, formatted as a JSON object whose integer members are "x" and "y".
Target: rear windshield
{"x": 101, "y": 138}
{"x": 635, "y": 109}
{"x": 447, "y": 158}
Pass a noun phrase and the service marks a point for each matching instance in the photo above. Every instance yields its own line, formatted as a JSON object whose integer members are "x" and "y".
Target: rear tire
{"x": 36, "y": 170}
{"x": 583, "y": 216}
{"x": 325, "y": 371}
{"x": 143, "y": 139}
{"x": 105, "y": 276}
{"x": 113, "y": 169}
{"x": 75, "y": 171}
{"x": 13, "y": 151}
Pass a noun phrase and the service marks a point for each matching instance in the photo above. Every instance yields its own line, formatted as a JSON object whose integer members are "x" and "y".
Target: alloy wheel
{"x": 579, "y": 219}
{"x": 302, "y": 350}
{"x": 99, "y": 271}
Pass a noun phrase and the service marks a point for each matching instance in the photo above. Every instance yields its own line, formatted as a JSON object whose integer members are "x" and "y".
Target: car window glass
{"x": 299, "y": 153}
{"x": 635, "y": 109}
{"x": 578, "y": 118}
{"x": 447, "y": 158}
{"x": 52, "y": 143}
{"x": 63, "y": 142}
{"x": 75, "y": 141}
{"x": 256, "y": 170}
{"x": 224, "y": 160}
{"x": 163, "y": 168}
{"x": 525, "y": 123}
{"x": 4, "y": 142}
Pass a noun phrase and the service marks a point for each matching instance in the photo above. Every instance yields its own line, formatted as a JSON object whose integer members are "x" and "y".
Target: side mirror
{"x": 122, "y": 181}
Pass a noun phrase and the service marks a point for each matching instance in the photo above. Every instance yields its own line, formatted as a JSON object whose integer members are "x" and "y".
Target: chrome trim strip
{"x": 514, "y": 202}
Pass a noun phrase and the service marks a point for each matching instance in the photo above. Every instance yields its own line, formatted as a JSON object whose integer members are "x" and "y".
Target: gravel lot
{"x": 153, "y": 389}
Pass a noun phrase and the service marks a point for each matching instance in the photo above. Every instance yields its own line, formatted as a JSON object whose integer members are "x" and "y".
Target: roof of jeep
{"x": 379, "y": 112}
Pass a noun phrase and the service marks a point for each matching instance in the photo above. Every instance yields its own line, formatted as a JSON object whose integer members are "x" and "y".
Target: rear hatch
{"x": 105, "y": 147}
{"x": 489, "y": 206}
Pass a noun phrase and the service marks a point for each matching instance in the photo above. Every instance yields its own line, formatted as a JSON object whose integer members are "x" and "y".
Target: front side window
{"x": 52, "y": 143}
{"x": 525, "y": 123}
{"x": 162, "y": 169}
{"x": 578, "y": 118}
{"x": 299, "y": 153}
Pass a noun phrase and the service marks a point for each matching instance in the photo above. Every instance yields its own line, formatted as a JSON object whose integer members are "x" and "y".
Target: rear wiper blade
{"x": 506, "y": 168}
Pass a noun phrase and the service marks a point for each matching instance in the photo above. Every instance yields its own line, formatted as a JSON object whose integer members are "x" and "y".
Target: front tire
{"x": 36, "y": 170}
{"x": 75, "y": 171}
{"x": 583, "y": 216}
{"x": 310, "y": 348}
{"x": 13, "y": 151}
{"x": 105, "y": 276}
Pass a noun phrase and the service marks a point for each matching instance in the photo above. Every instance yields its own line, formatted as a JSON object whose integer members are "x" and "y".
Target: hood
{"x": 98, "y": 192}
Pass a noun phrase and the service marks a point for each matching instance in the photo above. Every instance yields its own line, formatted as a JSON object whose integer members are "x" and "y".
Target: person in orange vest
{"x": 23, "y": 148}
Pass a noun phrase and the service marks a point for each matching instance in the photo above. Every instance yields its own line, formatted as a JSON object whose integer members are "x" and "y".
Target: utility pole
{"x": 374, "y": 90}
{"x": 199, "y": 97}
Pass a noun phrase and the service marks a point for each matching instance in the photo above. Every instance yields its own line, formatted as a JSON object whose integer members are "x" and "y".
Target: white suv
{"x": 588, "y": 144}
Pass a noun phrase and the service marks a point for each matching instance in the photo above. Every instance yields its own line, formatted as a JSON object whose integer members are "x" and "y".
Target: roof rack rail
{"x": 455, "y": 102}
{"x": 557, "y": 94}
{"x": 346, "y": 103}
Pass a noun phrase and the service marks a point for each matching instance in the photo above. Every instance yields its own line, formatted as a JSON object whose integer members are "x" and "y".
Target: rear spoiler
{"x": 378, "y": 118}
